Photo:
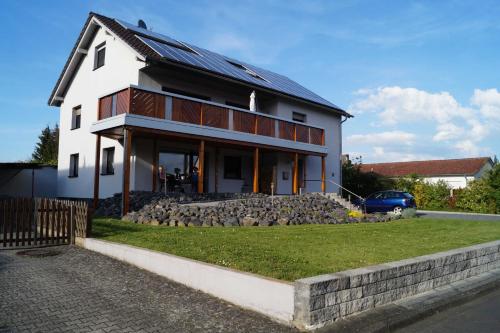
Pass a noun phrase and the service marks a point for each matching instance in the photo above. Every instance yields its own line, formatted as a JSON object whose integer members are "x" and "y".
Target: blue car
{"x": 389, "y": 201}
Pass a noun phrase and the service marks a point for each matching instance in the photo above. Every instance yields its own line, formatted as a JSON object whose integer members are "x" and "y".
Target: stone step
{"x": 341, "y": 201}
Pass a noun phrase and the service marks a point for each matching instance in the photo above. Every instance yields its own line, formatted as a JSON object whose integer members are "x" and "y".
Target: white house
{"x": 139, "y": 109}
{"x": 455, "y": 172}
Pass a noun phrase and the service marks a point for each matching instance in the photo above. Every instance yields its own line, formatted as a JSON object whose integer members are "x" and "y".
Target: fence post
{"x": 89, "y": 212}
{"x": 72, "y": 222}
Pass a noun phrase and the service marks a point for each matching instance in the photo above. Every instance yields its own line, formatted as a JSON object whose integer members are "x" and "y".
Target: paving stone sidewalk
{"x": 82, "y": 291}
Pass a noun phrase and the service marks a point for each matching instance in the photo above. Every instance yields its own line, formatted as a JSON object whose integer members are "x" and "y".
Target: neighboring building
{"x": 456, "y": 172}
{"x": 27, "y": 180}
{"x": 138, "y": 102}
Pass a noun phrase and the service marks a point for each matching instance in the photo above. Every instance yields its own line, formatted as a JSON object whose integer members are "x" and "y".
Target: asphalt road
{"x": 481, "y": 315}
{"x": 458, "y": 215}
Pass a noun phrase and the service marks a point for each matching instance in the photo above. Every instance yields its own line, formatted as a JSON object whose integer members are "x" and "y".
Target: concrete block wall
{"x": 323, "y": 299}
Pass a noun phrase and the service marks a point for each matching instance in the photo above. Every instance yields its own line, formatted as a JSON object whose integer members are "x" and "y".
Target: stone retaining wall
{"x": 323, "y": 299}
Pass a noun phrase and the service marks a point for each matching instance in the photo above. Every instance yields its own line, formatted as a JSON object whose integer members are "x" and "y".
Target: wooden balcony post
{"x": 216, "y": 170}
{"x": 155, "y": 165}
{"x": 201, "y": 165}
{"x": 295, "y": 179}
{"x": 323, "y": 184}
{"x": 127, "y": 143}
{"x": 96, "y": 169}
{"x": 256, "y": 170}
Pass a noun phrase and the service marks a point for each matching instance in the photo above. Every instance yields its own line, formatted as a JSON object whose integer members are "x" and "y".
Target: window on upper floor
{"x": 184, "y": 93}
{"x": 300, "y": 117}
{"x": 99, "y": 55}
{"x": 232, "y": 167}
{"x": 237, "y": 105}
{"x": 73, "y": 165}
{"x": 76, "y": 117}
{"x": 108, "y": 159}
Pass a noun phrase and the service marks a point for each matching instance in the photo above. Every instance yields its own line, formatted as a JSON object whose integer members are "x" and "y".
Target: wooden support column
{"x": 201, "y": 165}
{"x": 216, "y": 170}
{"x": 256, "y": 170}
{"x": 127, "y": 146}
{"x": 295, "y": 179}
{"x": 96, "y": 169}
{"x": 155, "y": 165}
{"x": 323, "y": 184}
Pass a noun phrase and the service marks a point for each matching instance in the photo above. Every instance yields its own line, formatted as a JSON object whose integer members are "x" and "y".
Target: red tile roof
{"x": 465, "y": 166}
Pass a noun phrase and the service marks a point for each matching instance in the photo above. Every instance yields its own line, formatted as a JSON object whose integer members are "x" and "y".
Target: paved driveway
{"x": 458, "y": 215}
{"x": 82, "y": 291}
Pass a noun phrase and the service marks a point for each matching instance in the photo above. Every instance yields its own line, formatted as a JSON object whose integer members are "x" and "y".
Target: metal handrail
{"x": 334, "y": 183}
{"x": 342, "y": 187}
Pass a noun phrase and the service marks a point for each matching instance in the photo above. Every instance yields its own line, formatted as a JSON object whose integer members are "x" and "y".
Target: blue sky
{"x": 421, "y": 77}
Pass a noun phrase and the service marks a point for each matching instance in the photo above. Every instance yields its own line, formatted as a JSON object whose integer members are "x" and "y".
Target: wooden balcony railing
{"x": 188, "y": 110}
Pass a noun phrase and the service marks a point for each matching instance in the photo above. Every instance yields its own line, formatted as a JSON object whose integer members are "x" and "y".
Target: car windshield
{"x": 407, "y": 195}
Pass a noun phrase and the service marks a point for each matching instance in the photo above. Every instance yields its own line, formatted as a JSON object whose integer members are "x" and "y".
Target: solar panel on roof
{"x": 154, "y": 35}
{"x": 188, "y": 54}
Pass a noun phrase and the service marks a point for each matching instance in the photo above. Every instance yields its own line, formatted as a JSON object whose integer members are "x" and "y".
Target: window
{"x": 73, "y": 165}
{"x": 237, "y": 105}
{"x": 108, "y": 158}
{"x": 76, "y": 117}
{"x": 300, "y": 117}
{"x": 184, "y": 93}
{"x": 232, "y": 167}
{"x": 99, "y": 55}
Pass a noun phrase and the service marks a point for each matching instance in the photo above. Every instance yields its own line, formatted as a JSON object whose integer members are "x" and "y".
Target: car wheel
{"x": 397, "y": 210}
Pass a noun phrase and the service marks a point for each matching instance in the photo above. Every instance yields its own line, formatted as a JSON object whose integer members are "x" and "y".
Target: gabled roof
{"x": 155, "y": 47}
{"x": 458, "y": 167}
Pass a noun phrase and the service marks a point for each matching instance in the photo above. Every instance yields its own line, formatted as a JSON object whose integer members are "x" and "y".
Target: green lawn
{"x": 292, "y": 252}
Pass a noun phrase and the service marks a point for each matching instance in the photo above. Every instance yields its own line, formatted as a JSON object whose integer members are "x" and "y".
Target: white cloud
{"x": 383, "y": 138}
{"x": 488, "y": 102}
{"x": 467, "y": 148}
{"x": 395, "y": 105}
{"x": 447, "y": 132}
{"x": 460, "y": 130}
{"x": 381, "y": 154}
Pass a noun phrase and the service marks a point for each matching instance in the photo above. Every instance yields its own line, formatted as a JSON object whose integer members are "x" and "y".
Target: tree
{"x": 363, "y": 183}
{"x": 46, "y": 148}
{"x": 493, "y": 179}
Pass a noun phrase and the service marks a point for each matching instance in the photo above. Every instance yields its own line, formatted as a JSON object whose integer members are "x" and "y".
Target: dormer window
{"x": 99, "y": 55}
{"x": 246, "y": 69}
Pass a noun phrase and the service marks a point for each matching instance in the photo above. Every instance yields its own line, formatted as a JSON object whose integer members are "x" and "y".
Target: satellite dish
{"x": 142, "y": 24}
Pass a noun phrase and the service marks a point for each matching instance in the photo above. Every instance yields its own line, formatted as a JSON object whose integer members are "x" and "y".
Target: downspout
{"x": 340, "y": 161}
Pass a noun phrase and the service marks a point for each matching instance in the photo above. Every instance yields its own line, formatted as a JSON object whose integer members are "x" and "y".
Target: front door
{"x": 268, "y": 174}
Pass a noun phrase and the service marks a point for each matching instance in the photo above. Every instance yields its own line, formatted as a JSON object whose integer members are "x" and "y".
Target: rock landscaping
{"x": 111, "y": 207}
{"x": 235, "y": 209}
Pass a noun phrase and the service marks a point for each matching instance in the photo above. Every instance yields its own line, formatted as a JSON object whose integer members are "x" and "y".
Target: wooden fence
{"x": 40, "y": 221}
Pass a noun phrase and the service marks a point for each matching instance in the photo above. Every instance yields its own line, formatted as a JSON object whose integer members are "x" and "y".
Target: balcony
{"x": 145, "y": 108}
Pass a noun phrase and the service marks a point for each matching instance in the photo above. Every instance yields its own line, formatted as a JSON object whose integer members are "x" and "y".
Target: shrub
{"x": 431, "y": 196}
{"x": 477, "y": 197}
{"x": 409, "y": 213}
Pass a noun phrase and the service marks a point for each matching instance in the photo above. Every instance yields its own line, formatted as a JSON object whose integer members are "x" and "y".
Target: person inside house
{"x": 194, "y": 179}
{"x": 162, "y": 177}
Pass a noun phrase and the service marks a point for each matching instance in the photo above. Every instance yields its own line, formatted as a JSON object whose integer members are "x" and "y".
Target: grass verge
{"x": 293, "y": 252}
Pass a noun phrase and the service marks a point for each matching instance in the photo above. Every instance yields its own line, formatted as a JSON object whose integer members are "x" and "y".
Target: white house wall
{"x": 333, "y": 140}
{"x": 20, "y": 185}
{"x": 120, "y": 69}
{"x": 453, "y": 181}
